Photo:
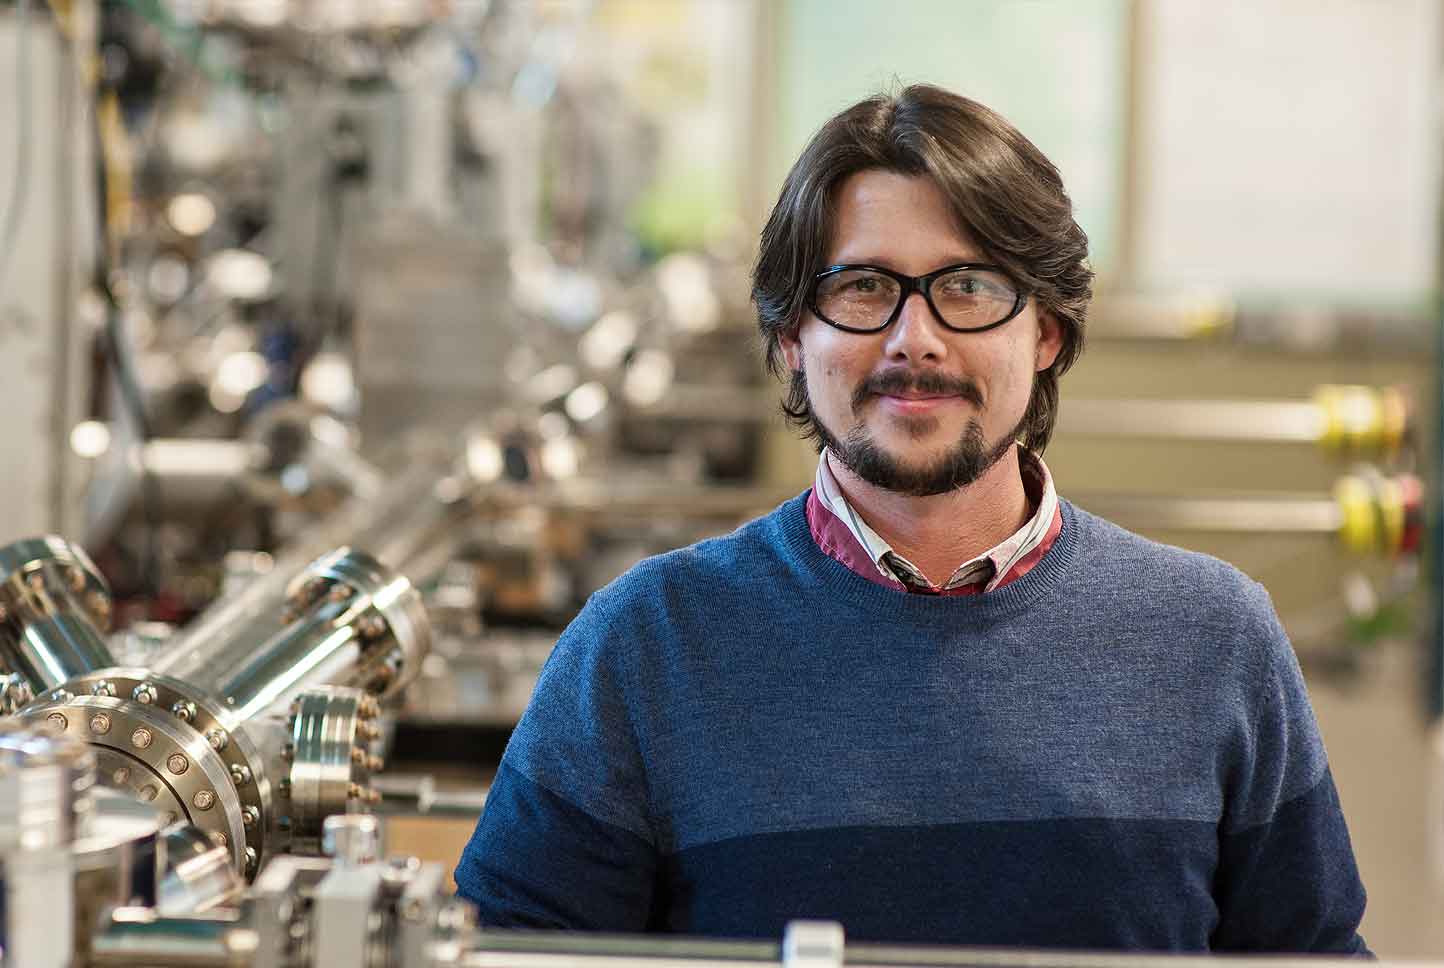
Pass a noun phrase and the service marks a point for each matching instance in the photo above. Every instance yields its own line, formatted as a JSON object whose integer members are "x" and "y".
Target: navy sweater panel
{"x": 726, "y": 718}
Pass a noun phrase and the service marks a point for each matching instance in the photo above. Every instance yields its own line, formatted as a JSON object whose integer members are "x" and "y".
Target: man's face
{"x": 916, "y": 408}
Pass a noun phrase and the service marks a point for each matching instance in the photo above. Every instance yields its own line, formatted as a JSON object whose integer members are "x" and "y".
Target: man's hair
{"x": 1005, "y": 194}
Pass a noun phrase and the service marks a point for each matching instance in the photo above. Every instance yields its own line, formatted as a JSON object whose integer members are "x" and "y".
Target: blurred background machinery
{"x": 351, "y": 346}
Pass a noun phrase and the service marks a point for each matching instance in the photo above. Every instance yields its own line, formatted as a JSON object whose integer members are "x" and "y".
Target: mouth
{"x": 907, "y": 393}
{"x": 917, "y": 403}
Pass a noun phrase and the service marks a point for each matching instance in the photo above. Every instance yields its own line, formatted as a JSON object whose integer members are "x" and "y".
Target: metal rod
{"x": 1243, "y": 420}
{"x": 246, "y": 644}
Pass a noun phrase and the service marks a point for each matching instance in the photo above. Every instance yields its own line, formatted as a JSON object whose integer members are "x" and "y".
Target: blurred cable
{"x": 10, "y": 224}
{"x": 122, "y": 364}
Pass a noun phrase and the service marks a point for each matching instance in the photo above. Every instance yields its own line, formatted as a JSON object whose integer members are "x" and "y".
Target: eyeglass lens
{"x": 866, "y": 299}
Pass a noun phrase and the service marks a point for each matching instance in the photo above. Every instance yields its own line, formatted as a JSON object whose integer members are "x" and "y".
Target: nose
{"x": 916, "y": 337}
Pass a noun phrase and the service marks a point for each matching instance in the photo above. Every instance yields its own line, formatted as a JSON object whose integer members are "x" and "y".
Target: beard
{"x": 959, "y": 466}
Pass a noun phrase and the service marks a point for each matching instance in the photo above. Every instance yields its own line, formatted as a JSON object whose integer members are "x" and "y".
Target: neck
{"x": 939, "y": 532}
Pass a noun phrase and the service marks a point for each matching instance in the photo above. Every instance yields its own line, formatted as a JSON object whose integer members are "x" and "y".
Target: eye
{"x": 972, "y": 285}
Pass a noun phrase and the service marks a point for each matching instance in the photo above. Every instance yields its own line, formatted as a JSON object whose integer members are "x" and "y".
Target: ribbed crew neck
{"x": 796, "y": 542}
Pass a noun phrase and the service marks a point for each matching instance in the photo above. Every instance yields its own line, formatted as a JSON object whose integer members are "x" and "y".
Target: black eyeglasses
{"x": 965, "y": 298}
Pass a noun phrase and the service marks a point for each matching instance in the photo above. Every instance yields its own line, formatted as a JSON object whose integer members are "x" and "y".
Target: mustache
{"x": 915, "y": 381}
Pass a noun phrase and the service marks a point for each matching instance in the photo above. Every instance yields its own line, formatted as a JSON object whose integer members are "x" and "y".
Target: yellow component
{"x": 1358, "y": 521}
{"x": 1395, "y": 407}
{"x": 1353, "y": 418}
{"x": 1389, "y": 509}
{"x": 1326, "y": 398}
{"x": 1206, "y": 314}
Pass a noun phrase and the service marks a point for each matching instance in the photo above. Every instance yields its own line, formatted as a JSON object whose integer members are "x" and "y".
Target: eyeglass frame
{"x": 911, "y": 284}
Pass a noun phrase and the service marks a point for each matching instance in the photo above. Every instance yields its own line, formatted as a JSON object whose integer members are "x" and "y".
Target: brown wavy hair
{"x": 1003, "y": 191}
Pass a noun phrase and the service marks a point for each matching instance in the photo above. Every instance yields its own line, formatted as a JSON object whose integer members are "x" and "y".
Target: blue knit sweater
{"x": 1115, "y": 751}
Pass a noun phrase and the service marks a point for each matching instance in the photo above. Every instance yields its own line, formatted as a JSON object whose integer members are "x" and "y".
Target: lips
{"x": 914, "y": 390}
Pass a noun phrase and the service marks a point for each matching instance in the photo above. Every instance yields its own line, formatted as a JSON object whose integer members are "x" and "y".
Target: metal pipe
{"x": 1251, "y": 515}
{"x": 45, "y": 799}
{"x": 250, "y": 650}
{"x": 346, "y": 620}
{"x": 52, "y": 598}
{"x": 137, "y": 936}
{"x": 1272, "y": 421}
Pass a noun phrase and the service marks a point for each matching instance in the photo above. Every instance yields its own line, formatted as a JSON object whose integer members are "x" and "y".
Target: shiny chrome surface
{"x": 54, "y": 607}
{"x": 220, "y": 647}
{"x": 139, "y": 936}
{"x": 171, "y": 761}
{"x": 198, "y": 874}
{"x": 332, "y": 731}
{"x": 45, "y": 799}
{"x": 352, "y": 840}
{"x": 347, "y": 620}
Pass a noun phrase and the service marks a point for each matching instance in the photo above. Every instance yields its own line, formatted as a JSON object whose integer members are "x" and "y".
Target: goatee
{"x": 960, "y": 466}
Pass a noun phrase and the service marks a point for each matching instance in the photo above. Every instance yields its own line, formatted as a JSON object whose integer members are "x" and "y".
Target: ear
{"x": 791, "y": 350}
{"x": 1050, "y": 341}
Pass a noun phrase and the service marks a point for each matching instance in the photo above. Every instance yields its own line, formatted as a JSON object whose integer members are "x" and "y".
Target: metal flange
{"x": 138, "y": 722}
{"x": 379, "y": 604}
{"x": 54, "y": 607}
{"x": 332, "y": 735}
{"x": 170, "y": 762}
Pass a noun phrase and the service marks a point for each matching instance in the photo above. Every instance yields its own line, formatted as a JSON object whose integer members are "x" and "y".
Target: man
{"x": 928, "y": 698}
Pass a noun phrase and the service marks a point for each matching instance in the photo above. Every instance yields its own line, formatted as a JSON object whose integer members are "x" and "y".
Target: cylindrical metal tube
{"x": 198, "y": 873}
{"x": 53, "y": 608}
{"x": 45, "y": 797}
{"x": 136, "y": 936}
{"x": 347, "y": 620}
{"x": 222, "y": 644}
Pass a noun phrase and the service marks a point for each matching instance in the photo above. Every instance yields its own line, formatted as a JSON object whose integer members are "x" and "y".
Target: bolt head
{"x": 204, "y": 800}
{"x": 221, "y": 839}
{"x": 184, "y": 710}
{"x": 100, "y": 723}
{"x": 144, "y": 693}
{"x": 103, "y": 688}
{"x": 250, "y": 816}
{"x": 240, "y": 774}
{"x": 62, "y": 695}
{"x": 149, "y": 792}
{"x": 177, "y": 763}
{"x": 374, "y": 763}
{"x": 58, "y": 721}
{"x": 358, "y": 756}
{"x": 251, "y": 858}
{"x": 218, "y": 739}
{"x": 120, "y": 776}
{"x": 353, "y": 791}
{"x": 141, "y": 738}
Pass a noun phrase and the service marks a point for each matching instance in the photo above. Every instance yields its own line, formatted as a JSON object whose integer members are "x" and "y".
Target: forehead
{"x": 902, "y": 222}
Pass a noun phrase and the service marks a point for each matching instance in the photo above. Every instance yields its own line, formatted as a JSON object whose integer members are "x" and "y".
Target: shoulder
{"x": 1186, "y": 578}
{"x": 1201, "y": 608}
{"x": 708, "y": 569}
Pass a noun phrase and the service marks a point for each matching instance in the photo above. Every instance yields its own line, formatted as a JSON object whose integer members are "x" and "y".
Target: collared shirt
{"x": 844, "y": 536}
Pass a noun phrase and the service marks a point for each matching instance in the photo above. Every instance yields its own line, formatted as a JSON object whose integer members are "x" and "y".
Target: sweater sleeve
{"x": 564, "y": 841}
{"x": 1286, "y": 879}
